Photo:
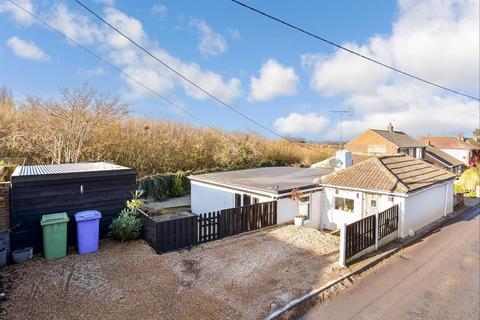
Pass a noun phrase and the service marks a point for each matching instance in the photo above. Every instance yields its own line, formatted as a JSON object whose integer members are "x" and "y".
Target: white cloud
{"x": 234, "y": 34}
{"x": 106, "y": 2}
{"x": 76, "y": 26}
{"x": 26, "y": 49}
{"x": 89, "y": 73}
{"x": 160, "y": 10}
{"x": 436, "y": 40}
{"x": 20, "y": 16}
{"x": 297, "y": 124}
{"x": 124, "y": 55}
{"x": 211, "y": 43}
{"x": 275, "y": 80}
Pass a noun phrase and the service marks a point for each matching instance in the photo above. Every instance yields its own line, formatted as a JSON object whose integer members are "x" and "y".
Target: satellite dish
{"x": 335, "y": 163}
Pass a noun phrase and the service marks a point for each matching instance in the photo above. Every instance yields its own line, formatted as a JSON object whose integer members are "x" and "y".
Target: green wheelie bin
{"x": 54, "y": 235}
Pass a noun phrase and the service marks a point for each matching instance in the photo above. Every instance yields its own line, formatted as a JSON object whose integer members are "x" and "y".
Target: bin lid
{"x": 54, "y": 218}
{"x": 87, "y": 215}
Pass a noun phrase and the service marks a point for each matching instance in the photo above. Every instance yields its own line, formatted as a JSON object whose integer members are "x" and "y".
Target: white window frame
{"x": 346, "y": 198}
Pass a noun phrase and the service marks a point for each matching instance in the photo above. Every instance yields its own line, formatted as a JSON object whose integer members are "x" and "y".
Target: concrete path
{"x": 436, "y": 278}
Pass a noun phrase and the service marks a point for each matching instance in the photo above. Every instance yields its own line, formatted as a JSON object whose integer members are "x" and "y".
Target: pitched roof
{"x": 473, "y": 142}
{"x": 445, "y": 142}
{"x": 443, "y": 157}
{"x": 400, "y": 139}
{"x": 395, "y": 173}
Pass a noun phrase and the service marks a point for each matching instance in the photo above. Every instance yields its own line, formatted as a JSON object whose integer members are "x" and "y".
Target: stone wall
{"x": 5, "y": 204}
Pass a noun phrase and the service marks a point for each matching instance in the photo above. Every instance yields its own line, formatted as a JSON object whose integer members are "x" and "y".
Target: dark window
{"x": 238, "y": 200}
{"x": 246, "y": 199}
{"x": 255, "y": 200}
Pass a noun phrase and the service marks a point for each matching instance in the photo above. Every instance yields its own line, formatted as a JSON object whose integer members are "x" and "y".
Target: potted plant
{"x": 296, "y": 195}
{"x": 22, "y": 255}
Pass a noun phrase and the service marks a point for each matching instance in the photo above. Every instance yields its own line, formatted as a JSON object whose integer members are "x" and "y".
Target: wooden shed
{"x": 43, "y": 189}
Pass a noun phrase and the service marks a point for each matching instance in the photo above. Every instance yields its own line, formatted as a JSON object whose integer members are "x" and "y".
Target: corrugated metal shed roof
{"x": 49, "y": 169}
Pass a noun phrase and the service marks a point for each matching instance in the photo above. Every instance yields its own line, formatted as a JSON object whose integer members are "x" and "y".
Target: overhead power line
{"x": 311, "y": 34}
{"x": 167, "y": 100}
{"x": 186, "y": 79}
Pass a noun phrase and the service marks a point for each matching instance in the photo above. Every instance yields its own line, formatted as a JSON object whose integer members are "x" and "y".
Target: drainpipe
{"x": 446, "y": 199}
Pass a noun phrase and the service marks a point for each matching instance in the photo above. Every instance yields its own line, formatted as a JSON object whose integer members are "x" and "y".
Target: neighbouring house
{"x": 457, "y": 147}
{"x": 387, "y": 141}
{"x": 444, "y": 160}
{"x": 345, "y": 190}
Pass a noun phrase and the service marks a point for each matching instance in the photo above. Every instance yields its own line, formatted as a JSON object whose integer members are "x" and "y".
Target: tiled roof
{"x": 443, "y": 156}
{"x": 400, "y": 139}
{"x": 396, "y": 173}
{"x": 445, "y": 142}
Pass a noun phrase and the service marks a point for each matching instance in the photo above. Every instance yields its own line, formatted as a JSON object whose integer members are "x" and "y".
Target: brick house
{"x": 387, "y": 142}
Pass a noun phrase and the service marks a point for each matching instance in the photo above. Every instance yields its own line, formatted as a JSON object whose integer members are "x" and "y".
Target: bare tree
{"x": 63, "y": 127}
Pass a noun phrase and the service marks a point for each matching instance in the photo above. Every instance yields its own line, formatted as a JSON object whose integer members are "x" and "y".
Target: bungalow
{"x": 222, "y": 190}
{"x": 387, "y": 141}
{"x": 374, "y": 183}
{"x": 349, "y": 189}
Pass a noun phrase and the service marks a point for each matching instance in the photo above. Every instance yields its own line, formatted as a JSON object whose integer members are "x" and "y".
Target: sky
{"x": 283, "y": 79}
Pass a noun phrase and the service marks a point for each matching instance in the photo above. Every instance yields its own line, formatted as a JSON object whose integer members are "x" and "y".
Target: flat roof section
{"x": 274, "y": 180}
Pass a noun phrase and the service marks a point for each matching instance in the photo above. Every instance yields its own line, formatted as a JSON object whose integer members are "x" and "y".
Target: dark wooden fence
{"x": 186, "y": 231}
{"x": 363, "y": 233}
{"x": 387, "y": 222}
{"x": 360, "y": 235}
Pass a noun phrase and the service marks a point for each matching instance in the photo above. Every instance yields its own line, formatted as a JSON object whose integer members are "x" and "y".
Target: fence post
{"x": 377, "y": 231}
{"x": 343, "y": 244}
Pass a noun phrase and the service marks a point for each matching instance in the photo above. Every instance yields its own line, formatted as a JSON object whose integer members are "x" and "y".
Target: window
{"x": 373, "y": 203}
{"x": 255, "y": 200}
{"x": 344, "y": 204}
{"x": 246, "y": 199}
{"x": 390, "y": 199}
{"x": 304, "y": 207}
{"x": 238, "y": 200}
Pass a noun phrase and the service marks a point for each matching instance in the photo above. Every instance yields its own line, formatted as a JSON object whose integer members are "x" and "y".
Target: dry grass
{"x": 87, "y": 126}
{"x": 243, "y": 277}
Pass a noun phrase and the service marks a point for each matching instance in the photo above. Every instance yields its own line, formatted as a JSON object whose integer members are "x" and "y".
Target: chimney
{"x": 390, "y": 127}
{"x": 461, "y": 137}
{"x": 345, "y": 159}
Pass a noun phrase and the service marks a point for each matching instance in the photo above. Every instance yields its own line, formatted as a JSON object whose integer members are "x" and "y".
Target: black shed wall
{"x": 32, "y": 197}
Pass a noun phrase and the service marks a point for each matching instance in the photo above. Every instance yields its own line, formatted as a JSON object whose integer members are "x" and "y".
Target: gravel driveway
{"x": 242, "y": 277}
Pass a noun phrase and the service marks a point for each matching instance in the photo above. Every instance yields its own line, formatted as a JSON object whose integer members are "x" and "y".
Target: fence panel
{"x": 359, "y": 236}
{"x": 387, "y": 222}
{"x": 208, "y": 226}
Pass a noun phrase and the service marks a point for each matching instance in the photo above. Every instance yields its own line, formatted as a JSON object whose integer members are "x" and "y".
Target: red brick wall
{"x": 370, "y": 138}
{"x": 5, "y": 204}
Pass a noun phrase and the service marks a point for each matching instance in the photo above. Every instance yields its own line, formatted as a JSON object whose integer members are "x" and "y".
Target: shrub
{"x": 468, "y": 182}
{"x": 127, "y": 226}
{"x": 177, "y": 187}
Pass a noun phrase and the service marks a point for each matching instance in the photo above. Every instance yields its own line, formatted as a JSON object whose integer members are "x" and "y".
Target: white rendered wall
{"x": 426, "y": 206}
{"x": 208, "y": 198}
{"x": 331, "y": 218}
{"x": 459, "y": 154}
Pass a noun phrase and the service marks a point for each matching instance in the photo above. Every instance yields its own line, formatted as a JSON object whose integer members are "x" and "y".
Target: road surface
{"x": 436, "y": 278}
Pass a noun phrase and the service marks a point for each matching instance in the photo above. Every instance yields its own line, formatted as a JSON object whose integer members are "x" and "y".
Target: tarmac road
{"x": 436, "y": 278}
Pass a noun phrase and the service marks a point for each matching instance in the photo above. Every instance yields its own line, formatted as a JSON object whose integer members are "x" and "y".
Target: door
{"x": 370, "y": 202}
